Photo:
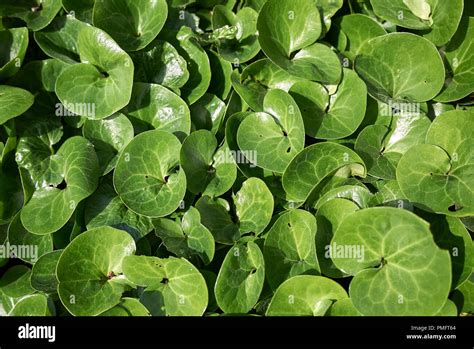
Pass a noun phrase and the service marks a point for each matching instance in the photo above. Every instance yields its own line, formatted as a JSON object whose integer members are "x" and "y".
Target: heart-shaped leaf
{"x": 53, "y": 204}
{"x": 277, "y": 135}
{"x": 240, "y": 279}
{"x": 180, "y": 288}
{"x": 102, "y": 83}
{"x": 147, "y": 177}
{"x": 290, "y": 247}
{"x": 398, "y": 268}
{"x": 305, "y": 295}
{"x": 290, "y": 44}
{"x": 208, "y": 168}
{"x": 439, "y": 174}
{"x": 132, "y": 23}
{"x": 188, "y": 237}
{"x": 89, "y": 271}
{"x": 315, "y": 163}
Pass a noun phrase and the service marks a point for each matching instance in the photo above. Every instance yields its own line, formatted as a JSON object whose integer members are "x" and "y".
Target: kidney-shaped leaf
{"x": 147, "y": 177}
{"x": 440, "y": 174}
{"x": 398, "y": 268}
{"x": 89, "y": 271}
{"x": 53, "y": 205}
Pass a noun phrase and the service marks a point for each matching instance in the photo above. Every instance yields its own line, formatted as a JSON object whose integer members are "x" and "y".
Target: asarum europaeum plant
{"x": 204, "y": 157}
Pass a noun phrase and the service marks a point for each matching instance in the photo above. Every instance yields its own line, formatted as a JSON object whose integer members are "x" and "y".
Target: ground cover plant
{"x": 209, "y": 157}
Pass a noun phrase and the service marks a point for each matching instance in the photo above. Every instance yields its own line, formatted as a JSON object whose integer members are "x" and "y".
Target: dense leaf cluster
{"x": 272, "y": 157}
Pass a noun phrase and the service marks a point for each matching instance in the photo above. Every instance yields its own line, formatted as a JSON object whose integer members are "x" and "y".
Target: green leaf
{"x": 104, "y": 208}
{"x": 314, "y": 164}
{"x": 216, "y": 217}
{"x": 14, "y": 101}
{"x": 257, "y": 79}
{"x": 382, "y": 147}
{"x": 28, "y": 247}
{"x": 245, "y": 45}
{"x": 43, "y": 273}
{"x": 208, "y": 113}
{"x": 305, "y": 295}
{"x": 37, "y": 14}
{"x": 52, "y": 206}
{"x": 418, "y": 77}
{"x": 463, "y": 296}
{"x": 446, "y": 17}
{"x": 60, "y": 39}
{"x": 132, "y": 23}
{"x": 14, "y": 45}
{"x": 405, "y": 13}
{"x": 33, "y": 305}
{"x": 156, "y": 107}
{"x": 254, "y": 206}
{"x": 89, "y": 271}
{"x": 197, "y": 60}
{"x": 81, "y": 9}
{"x": 450, "y": 234}
{"x": 343, "y": 307}
{"x": 357, "y": 30}
{"x": 459, "y": 56}
{"x": 240, "y": 279}
{"x": 102, "y": 83}
{"x": 109, "y": 136}
{"x": 277, "y": 135}
{"x": 188, "y": 237}
{"x": 289, "y": 248}
{"x": 439, "y": 174}
{"x": 208, "y": 168}
{"x": 331, "y": 116}
{"x": 398, "y": 268}
{"x": 329, "y": 217}
{"x": 127, "y": 307}
{"x": 358, "y": 194}
{"x": 289, "y": 45}
{"x": 181, "y": 287}
{"x": 160, "y": 63}
{"x": 147, "y": 176}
